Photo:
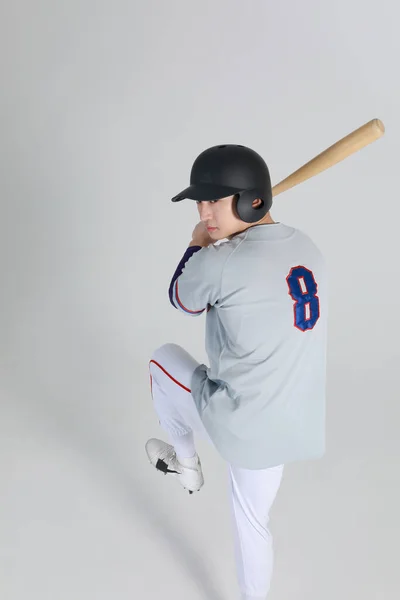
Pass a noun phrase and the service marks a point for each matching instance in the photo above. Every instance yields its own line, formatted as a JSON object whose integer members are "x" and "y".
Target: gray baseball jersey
{"x": 264, "y": 293}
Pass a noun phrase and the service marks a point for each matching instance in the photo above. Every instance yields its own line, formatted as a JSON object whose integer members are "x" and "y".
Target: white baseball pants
{"x": 251, "y": 492}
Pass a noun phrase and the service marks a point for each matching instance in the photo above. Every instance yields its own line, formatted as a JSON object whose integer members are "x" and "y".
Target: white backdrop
{"x": 103, "y": 108}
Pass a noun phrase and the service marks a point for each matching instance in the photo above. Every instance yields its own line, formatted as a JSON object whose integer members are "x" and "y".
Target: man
{"x": 261, "y": 400}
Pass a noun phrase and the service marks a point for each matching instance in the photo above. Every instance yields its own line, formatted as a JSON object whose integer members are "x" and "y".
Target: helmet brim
{"x": 206, "y": 192}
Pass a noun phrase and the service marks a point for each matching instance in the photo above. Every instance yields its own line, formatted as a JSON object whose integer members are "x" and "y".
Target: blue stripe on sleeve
{"x": 188, "y": 254}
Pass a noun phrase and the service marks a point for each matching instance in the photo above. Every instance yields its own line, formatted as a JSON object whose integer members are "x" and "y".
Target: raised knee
{"x": 164, "y": 350}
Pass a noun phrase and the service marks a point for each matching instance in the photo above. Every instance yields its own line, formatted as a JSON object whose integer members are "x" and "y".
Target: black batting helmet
{"x": 229, "y": 170}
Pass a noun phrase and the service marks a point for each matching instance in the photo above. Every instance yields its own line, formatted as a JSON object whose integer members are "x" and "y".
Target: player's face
{"x": 220, "y": 218}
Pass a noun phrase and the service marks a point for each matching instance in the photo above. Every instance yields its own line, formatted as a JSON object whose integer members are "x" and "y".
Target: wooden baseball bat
{"x": 345, "y": 147}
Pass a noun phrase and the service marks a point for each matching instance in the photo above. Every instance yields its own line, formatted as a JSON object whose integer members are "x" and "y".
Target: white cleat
{"x": 163, "y": 457}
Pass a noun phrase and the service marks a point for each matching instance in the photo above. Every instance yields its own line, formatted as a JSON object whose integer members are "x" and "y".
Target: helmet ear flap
{"x": 244, "y": 206}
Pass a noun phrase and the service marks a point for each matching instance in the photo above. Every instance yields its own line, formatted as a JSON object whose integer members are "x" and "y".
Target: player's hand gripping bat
{"x": 345, "y": 147}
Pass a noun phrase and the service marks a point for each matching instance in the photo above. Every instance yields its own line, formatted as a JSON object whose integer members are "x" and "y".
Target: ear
{"x": 257, "y": 203}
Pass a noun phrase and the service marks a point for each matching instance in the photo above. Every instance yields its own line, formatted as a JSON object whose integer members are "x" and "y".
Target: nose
{"x": 204, "y": 211}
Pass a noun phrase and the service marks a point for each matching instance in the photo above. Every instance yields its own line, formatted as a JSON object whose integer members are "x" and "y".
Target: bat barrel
{"x": 361, "y": 137}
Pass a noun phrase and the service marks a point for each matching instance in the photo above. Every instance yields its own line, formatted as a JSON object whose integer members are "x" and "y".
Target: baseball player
{"x": 262, "y": 286}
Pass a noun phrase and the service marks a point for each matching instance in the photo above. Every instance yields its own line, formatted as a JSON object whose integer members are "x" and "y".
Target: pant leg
{"x": 252, "y": 493}
{"x": 171, "y": 369}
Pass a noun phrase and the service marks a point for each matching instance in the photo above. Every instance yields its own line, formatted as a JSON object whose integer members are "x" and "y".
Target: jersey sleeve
{"x": 196, "y": 283}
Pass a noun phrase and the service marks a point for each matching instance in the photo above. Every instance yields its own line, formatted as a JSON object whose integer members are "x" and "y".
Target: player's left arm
{"x": 196, "y": 282}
